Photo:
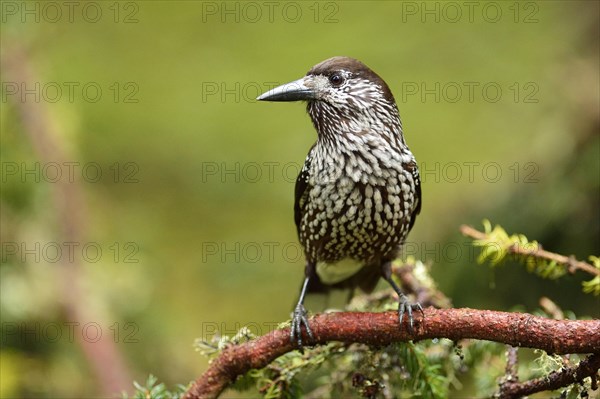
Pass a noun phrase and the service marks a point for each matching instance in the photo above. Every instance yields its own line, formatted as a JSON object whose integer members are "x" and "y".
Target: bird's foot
{"x": 406, "y": 307}
{"x": 298, "y": 319}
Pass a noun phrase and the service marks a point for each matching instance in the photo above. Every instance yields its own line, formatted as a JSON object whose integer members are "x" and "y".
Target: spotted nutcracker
{"x": 359, "y": 191}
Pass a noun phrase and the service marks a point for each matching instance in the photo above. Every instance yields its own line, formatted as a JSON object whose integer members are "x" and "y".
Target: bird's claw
{"x": 406, "y": 307}
{"x": 298, "y": 319}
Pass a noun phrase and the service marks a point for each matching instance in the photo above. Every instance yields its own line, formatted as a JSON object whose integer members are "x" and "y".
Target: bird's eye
{"x": 336, "y": 79}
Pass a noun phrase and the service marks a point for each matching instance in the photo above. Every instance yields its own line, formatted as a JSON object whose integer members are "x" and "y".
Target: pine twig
{"x": 512, "y": 364}
{"x": 570, "y": 262}
{"x": 555, "y": 380}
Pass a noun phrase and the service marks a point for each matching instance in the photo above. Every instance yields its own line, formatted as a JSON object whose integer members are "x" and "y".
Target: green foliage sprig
{"x": 152, "y": 389}
{"x": 593, "y": 286}
{"x": 496, "y": 245}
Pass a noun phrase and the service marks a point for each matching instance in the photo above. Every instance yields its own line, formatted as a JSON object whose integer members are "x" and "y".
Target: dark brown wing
{"x": 414, "y": 170}
{"x": 301, "y": 193}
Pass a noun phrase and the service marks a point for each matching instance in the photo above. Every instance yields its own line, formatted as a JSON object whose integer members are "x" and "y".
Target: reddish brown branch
{"x": 555, "y": 380}
{"x": 515, "y": 329}
{"x": 569, "y": 261}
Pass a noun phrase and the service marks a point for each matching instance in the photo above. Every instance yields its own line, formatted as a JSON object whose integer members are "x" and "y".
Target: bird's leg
{"x": 404, "y": 304}
{"x": 299, "y": 317}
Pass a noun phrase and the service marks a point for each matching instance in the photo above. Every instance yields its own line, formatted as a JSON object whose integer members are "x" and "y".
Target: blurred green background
{"x": 192, "y": 212}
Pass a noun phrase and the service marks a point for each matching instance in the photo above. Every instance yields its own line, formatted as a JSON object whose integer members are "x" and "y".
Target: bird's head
{"x": 344, "y": 96}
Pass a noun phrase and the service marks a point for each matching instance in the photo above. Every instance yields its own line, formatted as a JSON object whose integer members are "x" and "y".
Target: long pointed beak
{"x": 293, "y": 91}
